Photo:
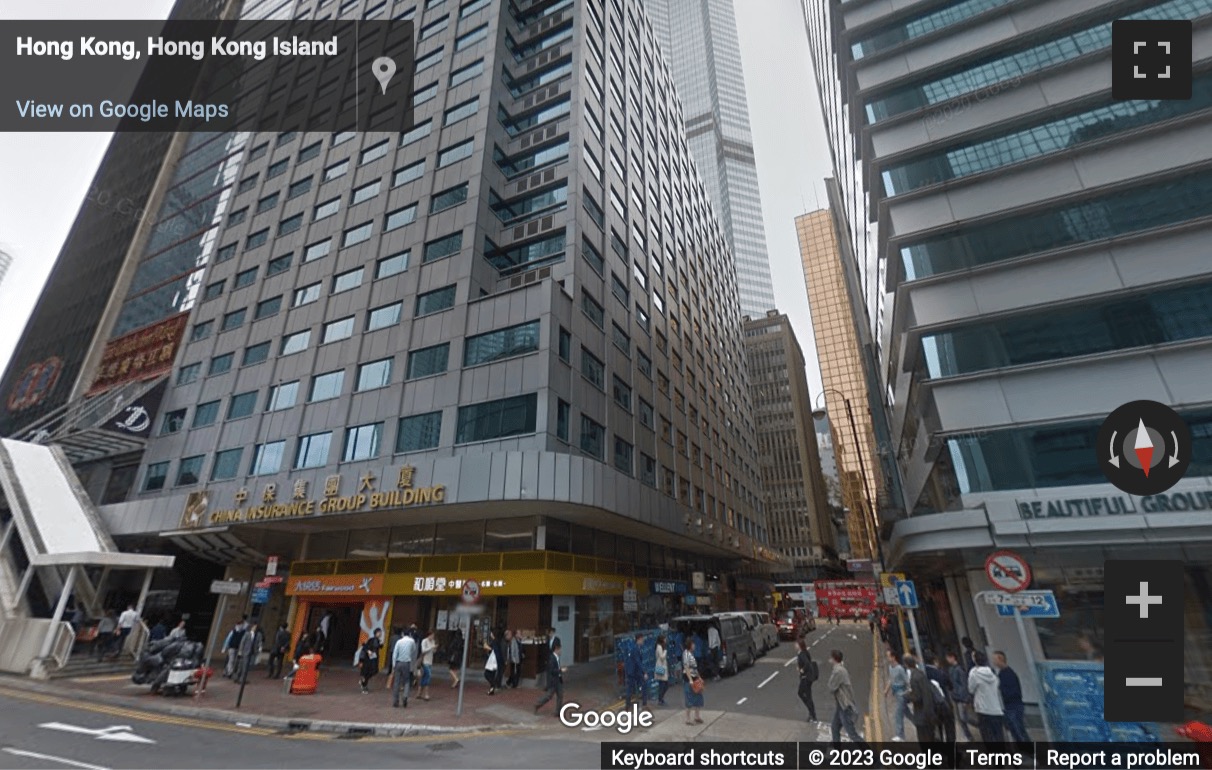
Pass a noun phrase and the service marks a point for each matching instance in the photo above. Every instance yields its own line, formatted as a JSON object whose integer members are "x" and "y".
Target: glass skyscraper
{"x": 700, "y": 43}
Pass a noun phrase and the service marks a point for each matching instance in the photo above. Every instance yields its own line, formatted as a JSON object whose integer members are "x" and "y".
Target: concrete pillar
{"x": 26, "y": 578}
{"x": 59, "y": 609}
{"x": 147, "y": 579}
{"x": 9, "y": 529}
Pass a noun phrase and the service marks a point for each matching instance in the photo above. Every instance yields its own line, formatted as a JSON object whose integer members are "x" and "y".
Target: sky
{"x": 54, "y": 169}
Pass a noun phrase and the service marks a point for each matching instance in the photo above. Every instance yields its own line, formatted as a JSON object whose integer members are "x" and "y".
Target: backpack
{"x": 941, "y": 706}
{"x": 811, "y": 671}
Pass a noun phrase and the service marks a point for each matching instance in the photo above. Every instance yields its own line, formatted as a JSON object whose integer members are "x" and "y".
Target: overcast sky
{"x": 45, "y": 176}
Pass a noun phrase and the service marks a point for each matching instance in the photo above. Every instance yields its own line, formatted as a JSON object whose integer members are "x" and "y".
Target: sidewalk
{"x": 339, "y": 705}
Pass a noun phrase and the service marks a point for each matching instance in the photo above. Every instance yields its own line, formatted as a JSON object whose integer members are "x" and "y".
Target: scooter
{"x": 183, "y": 673}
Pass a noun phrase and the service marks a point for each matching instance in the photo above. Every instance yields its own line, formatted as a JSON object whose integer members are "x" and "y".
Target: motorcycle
{"x": 170, "y": 666}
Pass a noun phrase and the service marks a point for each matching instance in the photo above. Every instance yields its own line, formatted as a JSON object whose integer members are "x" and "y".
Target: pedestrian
{"x": 844, "y": 713}
{"x": 660, "y": 671}
{"x": 969, "y": 653}
{"x": 921, "y": 697}
{"x": 692, "y": 684}
{"x": 493, "y": 663}
{"x": 633, "y": 670}
{"x": 324, "y": 635}
{"x": 885, "y": 624}
{"x": 368, "y": 659}
{"x": 402, "y": 657}
{"x": 304, "y": 646}
{"x": 231, "y": 646}
{"x": 178, "y": 632}
{"x": 986, "y": 699}
{"x": 555, "y": 679}
{"x": 126, "y": 624}
{"x": 428, "y": 646}
{"x": 959, "y": 693}
{"x": 554, "y": 640}
{"x": 507, "y": 663}
{"x": 107, "y": 634}
{"x": 248, "y": 650}
{"x": 944, "y": 706}
{"x": 714, "y": 651}
{"x": 514, "y": 655}
{"x": 809, "y": 673}
{"x": 79, "y": 616}
{"x": 1011, "y": 690}
{"x": 871, "y": 622}
{"x": 277, "y": 651}
{"x": 896, "y": 688}
{"x": 454, "y": 656}
{"x": 158, "y": 631}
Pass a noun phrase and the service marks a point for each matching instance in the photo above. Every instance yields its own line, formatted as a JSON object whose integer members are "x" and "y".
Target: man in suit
{"x": 278, "y": 652}
{"x": 555, "y": 680}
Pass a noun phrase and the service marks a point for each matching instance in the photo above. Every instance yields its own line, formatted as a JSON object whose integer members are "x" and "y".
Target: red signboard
{"x": 140, "y": 355}
{"x": 844, "y": 598}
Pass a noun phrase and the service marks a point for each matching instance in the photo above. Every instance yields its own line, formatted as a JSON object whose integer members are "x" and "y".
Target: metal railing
{"x": 138, "y": 638}
{"x": 65, "y": 639}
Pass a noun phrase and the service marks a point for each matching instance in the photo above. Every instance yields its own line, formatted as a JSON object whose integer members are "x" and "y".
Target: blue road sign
{"x": 1035, "y": 604}
{"x": 260, "y": 596}
{"x": 906, "y": 593}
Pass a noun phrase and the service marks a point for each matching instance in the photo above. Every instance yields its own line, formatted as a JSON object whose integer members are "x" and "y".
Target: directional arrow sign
{"x": 907, "y": 593}
{"x": 115, "y": 733}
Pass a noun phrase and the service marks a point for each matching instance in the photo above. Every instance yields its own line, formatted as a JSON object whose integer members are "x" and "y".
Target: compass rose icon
{"x": 1144, "y": 448}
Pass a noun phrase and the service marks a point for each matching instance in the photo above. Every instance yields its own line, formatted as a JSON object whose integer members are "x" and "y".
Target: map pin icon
{"x": 384, "y": 68}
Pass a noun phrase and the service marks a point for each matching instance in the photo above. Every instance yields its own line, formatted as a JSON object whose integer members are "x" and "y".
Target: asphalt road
{"x": 38, "y": 731}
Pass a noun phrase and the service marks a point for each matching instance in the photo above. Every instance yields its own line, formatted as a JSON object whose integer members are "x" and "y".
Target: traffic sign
{"x": 1031, "y": 604}
{"x": 1008, "y": 571}
{"x": 227, "y": 587}
{"x": 471, "y": 592}
{"x": 890, "y": 596}
{"x": 889, "y": 579}
{"x": 272, "y": 580}
{"x": 907, "y": 594}
{"x": 271, "y": 565}
{"x": 260, "y": 595}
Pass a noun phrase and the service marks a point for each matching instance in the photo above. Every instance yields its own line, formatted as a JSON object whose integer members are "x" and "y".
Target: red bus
{"x": 845, "y": 598}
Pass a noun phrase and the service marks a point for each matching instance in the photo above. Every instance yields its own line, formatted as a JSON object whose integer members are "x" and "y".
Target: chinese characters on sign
{"x": 140, "y": 355}
{"x": 427, "y": 584}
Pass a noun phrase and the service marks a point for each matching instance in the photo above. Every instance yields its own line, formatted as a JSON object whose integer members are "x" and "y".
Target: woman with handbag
{"x": 692, "y": 683}
{"x": 492, "y": 666}
{"x": 660, "y": 672}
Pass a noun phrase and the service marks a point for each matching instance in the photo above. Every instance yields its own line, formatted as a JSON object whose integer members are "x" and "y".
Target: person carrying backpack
{"x": 809, "y": 673}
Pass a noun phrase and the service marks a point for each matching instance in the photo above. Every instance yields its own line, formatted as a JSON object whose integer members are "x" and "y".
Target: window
{"x": 375, "y": 152}
{"x": 467, "y": 9}
{"x": 622, "y": 455}
{"x": 563, "y": 415}
{"x": 313, "y": 451}
{"x": 307, "y": 294}
{"x": 592, "y": 256}
{"x": 205, "y": 414}
{"x": 284, "y": 137}
{"x": 244, "y": 278}
{"x": 400, "y": 217}
{"x": 362, "y": 442}
{"x": 447, "y": 198}
{"x": 382, "y": 317}
{"x": 235, "y": 218}
{"x": 326, "y": 386}
{"x": 295, "y": 343}
{"x": 256, "y": 239}
{"x": 620, "y": 290}
{"x": 443, "y": 247}
{"x": 621, "y": 340}
{"x": 357, "y": 234}
{"x": 433, "y": 28}
{"x": 221, "y": 364}
{"x": 267, "y": 458}
{"x": 246, "y": 184}
{"x": 456, "y": 153}
{"x": 428, "y": 361}
{"x": 201, "y": 331}
{"x": 419, "y": 131}
{"x": 424, "y": 94}
{"x": 408, "y": 173}
{"x": 282, "y": 396}
{"x": 343, "y": 137}
{"x": 433, "y": 301}
{"x": 421, "y": 431}
{"x": 267, "y": 307}
{"x": 502, "y": 343}
{"x": 189, "y": 471}
{"x": 277, "y": 169}
{"x": 646, "y": 414}
{"x": 461, "y": 112}
{"x": 622, "y": 393}
{"x": 298, "y": 188}
{"x": 338, "y": 330}
{"x": 376, "y": 374}
{"x": 173, "y": 421}
{"x": 317, "y": 250}
{"x": 565, "y": 345}
{"x": 641, "y": 318}
{"x": 542, "y": 251}
{"x": 310, "y": 151}
{"x": 225, "y": 253}
{"x": 242, "y": 405}
{"x": 326, "y": 209}
{"x": 212, "y": 290}
{"x": 233, "y": 320}
{"x": 258, "y": 151}
{"x": 346, "y": 281}
{"x": 157, "y": 474}
{"x": 464, "y": 74}
{"x": 471, "y": 38}
{"x": 336, "y": 170}
{"x": 593, "y": 437}
{"x": 189, "y": 373}
{"x": 278, "y": 265}
{"x": 227, "y": 464}
{"x": 365, "y": 192}
{"x": 645, "y": 364}
{"x": 497, "y": 419}
{"x": 393, "y": 265}
{"x": 593, "y": 369}
{"x": 647, "y": 470}
{"x": 593, "y": 309}
{"x": 255, "y": 354}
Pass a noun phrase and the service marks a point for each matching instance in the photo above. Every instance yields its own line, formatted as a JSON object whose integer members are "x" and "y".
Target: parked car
{"x": 764, "y": 638}
{"x": 737, "y": 649}
{"x": 794, "y": 623}
{"x": 769, "y": 629}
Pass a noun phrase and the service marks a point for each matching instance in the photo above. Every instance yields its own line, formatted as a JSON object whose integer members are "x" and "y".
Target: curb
{"x": 266, "y": 721}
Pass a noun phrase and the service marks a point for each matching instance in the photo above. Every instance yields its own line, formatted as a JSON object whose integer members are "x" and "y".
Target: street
{"x": 39, "y": 731}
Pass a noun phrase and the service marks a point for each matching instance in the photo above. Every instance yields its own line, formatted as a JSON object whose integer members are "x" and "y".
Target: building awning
{"x": 217, "y": 545}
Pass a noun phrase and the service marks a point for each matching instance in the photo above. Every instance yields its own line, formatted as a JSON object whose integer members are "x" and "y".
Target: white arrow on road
{"x": 115, "y": 733}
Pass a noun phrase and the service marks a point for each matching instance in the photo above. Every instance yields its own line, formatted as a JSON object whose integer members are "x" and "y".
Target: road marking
{"x": 874, "y": 701}
{"x": 791, "y": 660}
{"x": 51, "y": 758}
{"x": 115, "y": 733}
{"x": 101, "y": 678}
{"x": 766, "y": 681}
{"x": 591, "y": 729}
{"x": 742, "y": 700}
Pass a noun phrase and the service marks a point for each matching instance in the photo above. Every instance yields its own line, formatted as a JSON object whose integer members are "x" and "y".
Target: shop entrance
{"x": 343, "y": 627}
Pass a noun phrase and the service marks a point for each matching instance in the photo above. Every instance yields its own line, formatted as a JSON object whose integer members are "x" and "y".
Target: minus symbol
{"x": 1143, "y": 681}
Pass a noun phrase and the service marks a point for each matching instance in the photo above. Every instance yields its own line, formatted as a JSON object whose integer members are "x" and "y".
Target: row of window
{"x": 921, "y": 24}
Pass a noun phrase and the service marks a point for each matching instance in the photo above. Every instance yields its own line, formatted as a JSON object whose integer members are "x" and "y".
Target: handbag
{"x": 491, "y": 665}
{"x": 659, "y": 671}
{"x": 697, "y": 685}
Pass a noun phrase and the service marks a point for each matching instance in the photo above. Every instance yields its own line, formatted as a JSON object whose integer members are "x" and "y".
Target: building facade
{"x": 1047, "y": 251}
{"x": 797, "y": 502}
{"x": 503, "y": 346}
{"x": 839, "y": 353}
{"x": 700, "y": 43}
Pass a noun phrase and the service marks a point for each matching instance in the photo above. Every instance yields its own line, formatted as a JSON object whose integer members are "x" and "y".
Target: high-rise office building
{"x": 1046, "y": 245}
{"x": 503, "y": 346}
{"x": 798, "y": 513}
{"x": 839, "y": 353}
{"x": 699, "y": 41}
